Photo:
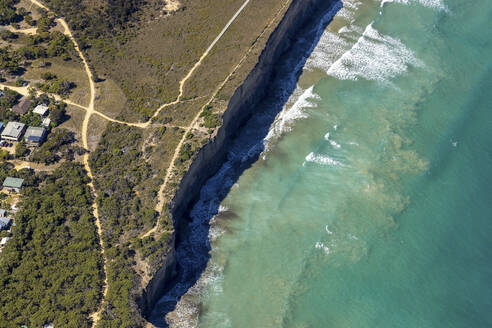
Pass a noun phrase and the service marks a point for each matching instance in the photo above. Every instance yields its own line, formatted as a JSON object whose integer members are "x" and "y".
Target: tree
{"x": 21, "y": 149}
{"x": 57, "y": 113}
{"x": 4, "y": 155}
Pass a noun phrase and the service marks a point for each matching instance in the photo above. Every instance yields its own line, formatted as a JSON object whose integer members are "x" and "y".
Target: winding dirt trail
{"x": 30, "y": 31}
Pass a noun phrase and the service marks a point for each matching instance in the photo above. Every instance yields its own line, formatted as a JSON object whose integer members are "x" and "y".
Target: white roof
{"x": 41, "y": 109}
{"x": 46, "y": 122}
{"x": 4, "y": 240}
{"x": 13, "y": 129}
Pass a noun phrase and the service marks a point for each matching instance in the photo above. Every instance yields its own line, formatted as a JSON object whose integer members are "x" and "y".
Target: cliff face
{"x": 240, "y": 108}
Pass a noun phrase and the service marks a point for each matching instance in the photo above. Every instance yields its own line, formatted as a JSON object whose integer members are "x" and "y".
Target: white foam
{"x": 333, "y": 143}
{"x": 283, "y": 122}
{"x": 320, "y": 245}
{"x": 322, "y": 160}
{"x": 426, "y": 3}
{"x": 374, "y": 57}
{"x": 328, "y": 231}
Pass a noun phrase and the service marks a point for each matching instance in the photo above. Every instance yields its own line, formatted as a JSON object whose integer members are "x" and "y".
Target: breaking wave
{"x": 374, "y": 57}
{"x": 426, "y": 3}
{"x": 296, "y": 111}
{"x": 322, "y": 160}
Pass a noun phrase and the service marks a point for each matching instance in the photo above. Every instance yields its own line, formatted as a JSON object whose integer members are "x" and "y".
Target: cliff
{"x": 240, "y": 108}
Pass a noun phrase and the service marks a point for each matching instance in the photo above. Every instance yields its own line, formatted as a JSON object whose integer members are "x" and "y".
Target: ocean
{"x": 368, "y": 201}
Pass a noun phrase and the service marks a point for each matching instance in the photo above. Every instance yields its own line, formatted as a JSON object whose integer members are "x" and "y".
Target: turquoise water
{"x": 371, "y": 205}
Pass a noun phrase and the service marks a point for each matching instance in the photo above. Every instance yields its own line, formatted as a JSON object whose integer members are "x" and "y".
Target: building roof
{"x": 41, "y": 109}
{"x": 3, "y": 212}
{"x": 13, "y": 182}
{"x": 13, "y": 129}
{"x": 46, "y": 121}
{"x": 22, "y": 107}
{"x": 4, "y": 240}
{"x": 1, "y": 126}
{"x": 35, "y": 134}
{"x": 5, "y": 222}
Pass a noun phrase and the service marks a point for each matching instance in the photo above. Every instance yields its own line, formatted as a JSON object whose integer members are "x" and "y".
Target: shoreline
{"x": 295, "y": 24}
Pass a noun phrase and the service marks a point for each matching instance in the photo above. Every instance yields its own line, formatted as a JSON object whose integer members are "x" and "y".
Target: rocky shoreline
{"x": 241, "y": 107}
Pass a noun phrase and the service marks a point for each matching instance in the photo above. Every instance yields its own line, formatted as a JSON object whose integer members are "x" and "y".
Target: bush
{"x": 54, "y": 148}
{"x": 21, "y": 149}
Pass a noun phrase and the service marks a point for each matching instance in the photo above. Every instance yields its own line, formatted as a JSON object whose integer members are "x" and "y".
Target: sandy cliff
{"x": 240, "y": 108}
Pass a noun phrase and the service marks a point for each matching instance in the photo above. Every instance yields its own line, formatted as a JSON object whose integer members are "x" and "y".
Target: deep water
{"x": 370, "y": 203}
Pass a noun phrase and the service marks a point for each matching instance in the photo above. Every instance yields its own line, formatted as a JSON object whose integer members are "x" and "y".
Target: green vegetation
{"x": 57, "y": 113}
{"x": 7, "y": 35}
{"x": 9, "y": 62}
{"x": 120, "y": 170}
{"x": 58, "y": 146}
{"x": 96, "y": 18}
{"x": 50, "y": 271}
{"x": 6, "y": 102}
{"x": 8, "y": 13}
{"x": 210, "y": 120}
{"x": 21, "y": 149}
{"x": 53, "y": 84}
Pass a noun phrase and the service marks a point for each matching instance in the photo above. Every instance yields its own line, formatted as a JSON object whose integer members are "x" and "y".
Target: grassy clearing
{"x": 96, "y": 128}
{"x": 153, "y": 58}
{"x": 110, "y": 99}
{"x": 71, "y": 70}
{"x": 74, "y": 124}
{"x": 182, "y": 114}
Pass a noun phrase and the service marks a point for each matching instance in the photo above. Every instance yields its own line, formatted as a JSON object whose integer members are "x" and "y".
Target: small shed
{"x": 22, "y": 107}
{"x": 46, "y": 122}
{"x": 4, "y": 240}
{"x": 13, "y": 184}
{"x": 41, "y": 109}
{"x": 35, "y": 135}
{"x": 5, "y": 223}
{"x": 13, "y": 131}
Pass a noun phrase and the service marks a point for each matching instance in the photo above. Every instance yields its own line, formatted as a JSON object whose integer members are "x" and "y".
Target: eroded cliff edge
{"x": 241, "y": 106}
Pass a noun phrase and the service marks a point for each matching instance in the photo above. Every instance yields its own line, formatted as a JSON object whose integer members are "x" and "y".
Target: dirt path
{"x": 30, "y": 31}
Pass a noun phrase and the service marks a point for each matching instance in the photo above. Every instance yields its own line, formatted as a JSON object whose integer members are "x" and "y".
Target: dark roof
{"x": 22, "y": 107}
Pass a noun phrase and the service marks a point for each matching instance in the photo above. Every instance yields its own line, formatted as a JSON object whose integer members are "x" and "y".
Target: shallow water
{"x": 370, "y": 205}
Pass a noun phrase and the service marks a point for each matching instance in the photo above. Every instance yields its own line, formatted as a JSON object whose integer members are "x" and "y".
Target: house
{"x": 12, "y": 184}
{"x": 3, "y": 213}
{"x": 35, "y": 136}
{"x": 46, "y": 122}
{"x": 13, "y": 131}
{"x": 41, "y": 109}
{"x": 4, "y": 241}
{"x": 5, "y": 223}
{"x": 22, "y": 107}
